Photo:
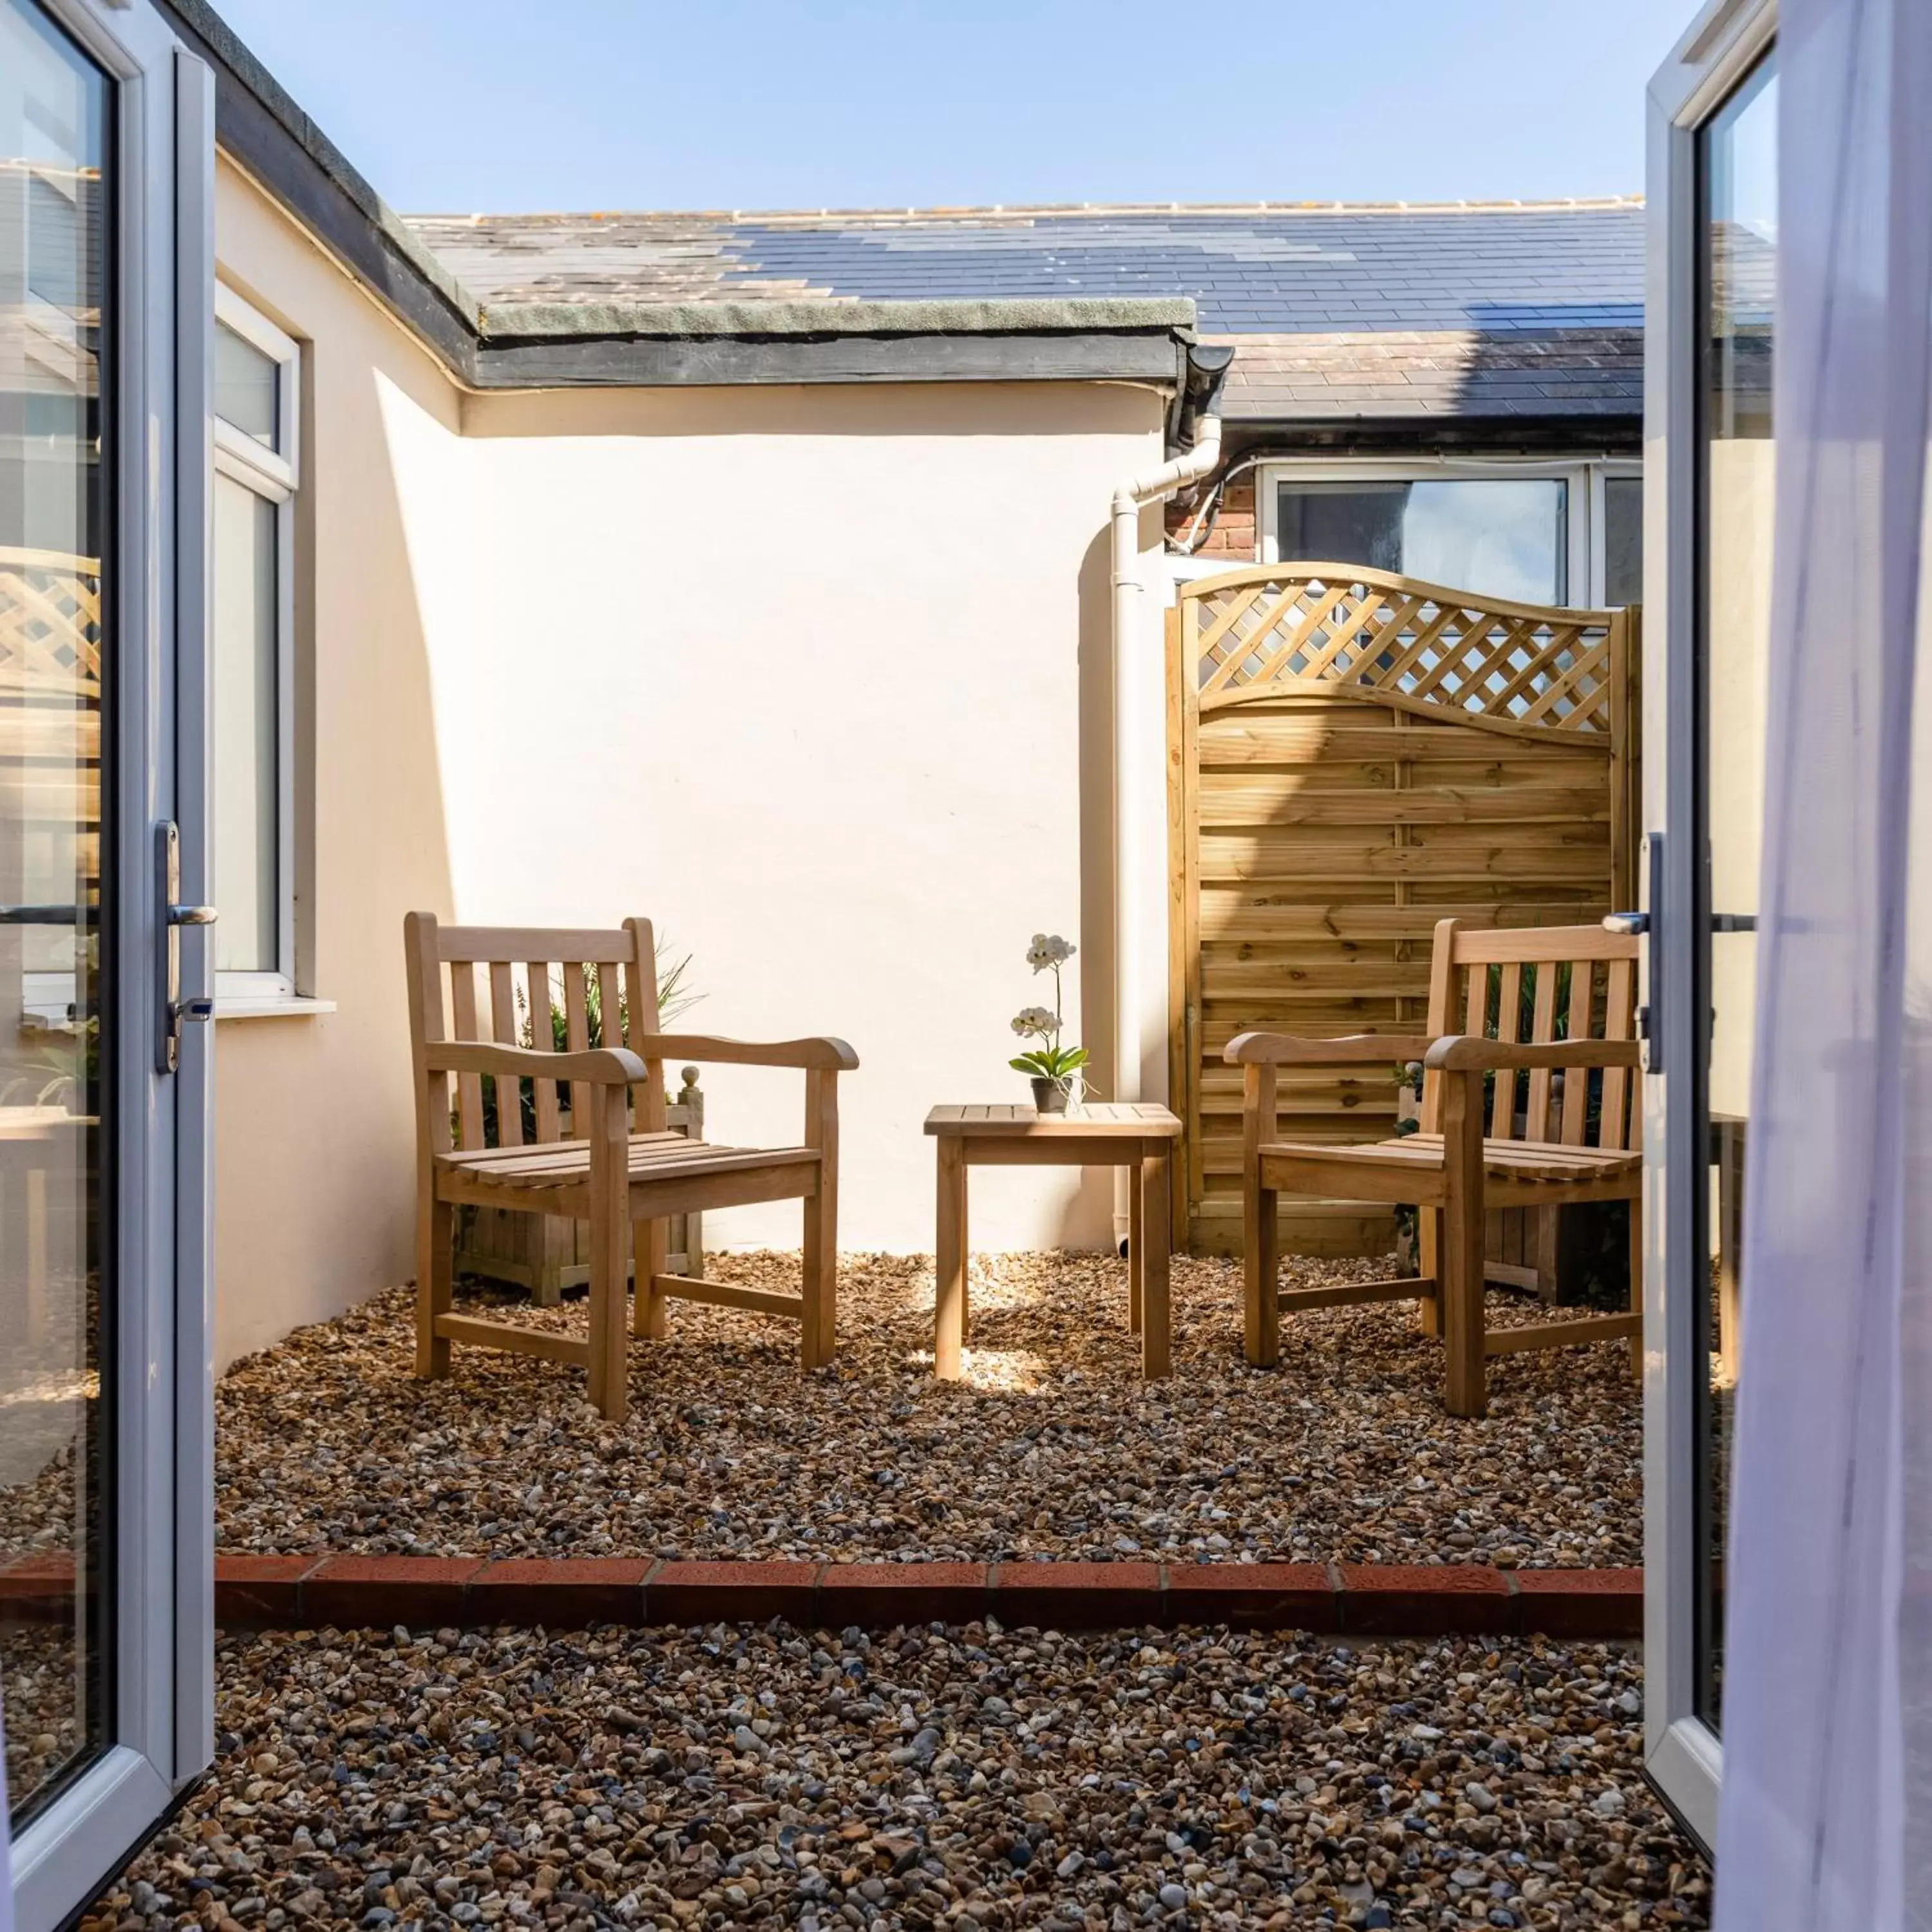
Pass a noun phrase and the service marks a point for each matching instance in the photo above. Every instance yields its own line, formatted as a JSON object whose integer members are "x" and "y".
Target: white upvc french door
{"x": 1708, "y": 467}
{"x": 106, "y": 159}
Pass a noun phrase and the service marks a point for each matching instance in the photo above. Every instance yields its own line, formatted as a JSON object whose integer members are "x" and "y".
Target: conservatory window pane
{"x": 1504, "y": 537}
{"x": 247, "y": 746}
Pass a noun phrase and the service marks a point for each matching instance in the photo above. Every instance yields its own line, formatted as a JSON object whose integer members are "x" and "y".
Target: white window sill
{"x": 269, "y": 1006}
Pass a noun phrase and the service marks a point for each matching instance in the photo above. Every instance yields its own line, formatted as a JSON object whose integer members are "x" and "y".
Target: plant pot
{"x": 1049, "y": 1096}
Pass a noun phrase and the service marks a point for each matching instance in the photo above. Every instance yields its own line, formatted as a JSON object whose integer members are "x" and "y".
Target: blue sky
{"x": 507, "y": 106}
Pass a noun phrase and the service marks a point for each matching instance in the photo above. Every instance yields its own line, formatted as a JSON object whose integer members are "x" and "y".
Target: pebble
{"x": 522, "y": 1806}
{"x": 1050, "y": 1446}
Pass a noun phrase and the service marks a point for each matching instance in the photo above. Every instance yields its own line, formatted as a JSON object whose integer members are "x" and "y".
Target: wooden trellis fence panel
{"x": 1354, "y": 755}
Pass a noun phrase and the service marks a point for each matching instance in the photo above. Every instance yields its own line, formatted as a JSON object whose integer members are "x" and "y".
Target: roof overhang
{"x": 547, "y": 345}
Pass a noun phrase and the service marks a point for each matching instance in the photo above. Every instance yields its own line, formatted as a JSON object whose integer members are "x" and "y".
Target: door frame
{"x": 1683, "y": 1755}
{"x": 158, "y": 1559}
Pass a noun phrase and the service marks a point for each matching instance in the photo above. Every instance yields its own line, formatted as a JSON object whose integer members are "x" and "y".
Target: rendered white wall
{"x": 817, "y": 679}
{"x": 314, "y": 1202}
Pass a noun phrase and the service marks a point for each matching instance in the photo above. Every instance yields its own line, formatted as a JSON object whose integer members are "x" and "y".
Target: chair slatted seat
{"x": 1533, "y": 1104}
{"x": 506, "y": 1119}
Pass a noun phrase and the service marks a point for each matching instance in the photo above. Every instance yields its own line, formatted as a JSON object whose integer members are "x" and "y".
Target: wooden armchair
{"x": 1473, "y": 1153}
{"x": 485, "y": 1151}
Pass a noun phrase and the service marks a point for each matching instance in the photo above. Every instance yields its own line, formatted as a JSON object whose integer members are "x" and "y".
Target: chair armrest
{"x": 826, "y": 1054}
{"x": 602, "y": 1065}
{"x": 1282, "y": 1049}
{"x": 1462, "y": 1052}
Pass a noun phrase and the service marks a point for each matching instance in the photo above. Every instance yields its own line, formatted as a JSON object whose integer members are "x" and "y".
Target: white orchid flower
{"x": 1042, "y": 1021}
{"x": 1048, "y": 949}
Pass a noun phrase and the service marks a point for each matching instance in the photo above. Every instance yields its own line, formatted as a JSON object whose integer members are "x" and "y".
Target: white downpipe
{"x": 1132, "y": 686}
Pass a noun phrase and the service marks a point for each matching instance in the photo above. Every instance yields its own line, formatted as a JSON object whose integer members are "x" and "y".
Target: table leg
{"x": 1136, "y": 1241}
{"x": 1150, "y": 1262}
{"x": 949, "y": 1258}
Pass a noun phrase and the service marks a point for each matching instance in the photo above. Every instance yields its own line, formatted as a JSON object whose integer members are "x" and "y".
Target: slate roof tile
{"x": 1497, "y": 308}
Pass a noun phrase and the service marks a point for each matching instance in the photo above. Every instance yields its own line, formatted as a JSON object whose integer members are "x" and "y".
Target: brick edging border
{"x": 1368, "y": 1599}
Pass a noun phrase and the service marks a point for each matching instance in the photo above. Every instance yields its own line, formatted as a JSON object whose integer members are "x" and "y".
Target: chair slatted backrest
{"x": 512, "y": 986}
{"x": 1533, "y": 984}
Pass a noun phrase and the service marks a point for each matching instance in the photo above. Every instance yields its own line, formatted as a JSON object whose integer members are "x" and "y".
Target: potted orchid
{"x": 1055, "y": 1070}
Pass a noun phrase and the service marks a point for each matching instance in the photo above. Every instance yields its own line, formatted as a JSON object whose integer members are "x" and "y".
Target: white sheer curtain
{"x": 1825, "y": 1823}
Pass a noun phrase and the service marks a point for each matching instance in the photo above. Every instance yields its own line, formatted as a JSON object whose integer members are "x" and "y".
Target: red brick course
{"x": 1078, "y": 1596}
{"x": 252, "y": 1591}
{"x": 1405, "y": 1599}
{"x": 874, "y": 1595}
{"x": 360, "y": 1592}
{"x": 350, "y": 1592}
{"x": 1585, "y": 1603}
{"x": 1255, "y": 1596}
{"x": 1233, "y": 538}
{"x": 566, "y": 1593}
{"x": 712, "y": 1593}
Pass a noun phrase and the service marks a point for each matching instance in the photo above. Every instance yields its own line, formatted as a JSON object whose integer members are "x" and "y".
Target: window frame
{"x": 275, "y": 476}
{"x": 1587, "y": 549}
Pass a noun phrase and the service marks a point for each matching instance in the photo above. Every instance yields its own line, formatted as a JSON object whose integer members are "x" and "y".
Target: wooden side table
{"x": 1131, "y": 1134}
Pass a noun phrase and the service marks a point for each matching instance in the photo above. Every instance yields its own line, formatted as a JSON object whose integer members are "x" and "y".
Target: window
{"x": 257, "y": 385}
{"x": 1539, "y": 533}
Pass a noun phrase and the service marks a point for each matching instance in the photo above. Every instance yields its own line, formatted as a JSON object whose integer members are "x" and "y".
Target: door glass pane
{"x": 1623, "y": 541}
{"x": 55, "y": 1298}
{"x": 247, "y": 939}
{"x": 1740, "y": 227}
{"x": 1499, "y": 537}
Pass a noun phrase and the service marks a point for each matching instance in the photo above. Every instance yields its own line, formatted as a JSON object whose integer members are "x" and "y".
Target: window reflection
{"x": 54, "y": 600}
{"x": 1501, "y": 537}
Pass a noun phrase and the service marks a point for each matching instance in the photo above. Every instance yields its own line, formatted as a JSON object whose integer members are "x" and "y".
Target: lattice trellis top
{"x": 1253, "y": 631}
{"x": 50, "y": 622}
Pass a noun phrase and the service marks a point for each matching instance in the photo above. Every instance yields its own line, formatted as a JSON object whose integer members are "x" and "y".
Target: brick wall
{"x": 1233, "y": 536}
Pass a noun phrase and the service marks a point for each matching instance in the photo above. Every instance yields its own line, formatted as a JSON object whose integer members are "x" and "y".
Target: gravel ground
{"x": 1050, "y": 1447}
{"x": 42, "y": 1702}
{"x": 963, "y": 1779}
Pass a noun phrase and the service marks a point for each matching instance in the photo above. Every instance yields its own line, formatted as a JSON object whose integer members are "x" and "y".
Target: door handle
{"x": 1643, "y": 925}
{"x": 171, "y": 1010}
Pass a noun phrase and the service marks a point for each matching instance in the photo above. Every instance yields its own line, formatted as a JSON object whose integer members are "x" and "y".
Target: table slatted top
{"x": 1098, "y": 1120}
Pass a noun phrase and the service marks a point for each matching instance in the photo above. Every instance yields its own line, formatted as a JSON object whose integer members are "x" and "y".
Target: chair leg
{"x": 435, "y": 1282}
{"x": 1153, "y": 1241}
{"x": 1465, "y": 1376}
{"x": 1261, "y": 1270}
{"x": 819, "y": 1342}
{"x": 610, "y": 1245}
{"x": 1429, "y": 1265}
{"x": 1136, "y": 1242}
{"x": 650, "y": 1319}
{"x": 1260, "y": 1274}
